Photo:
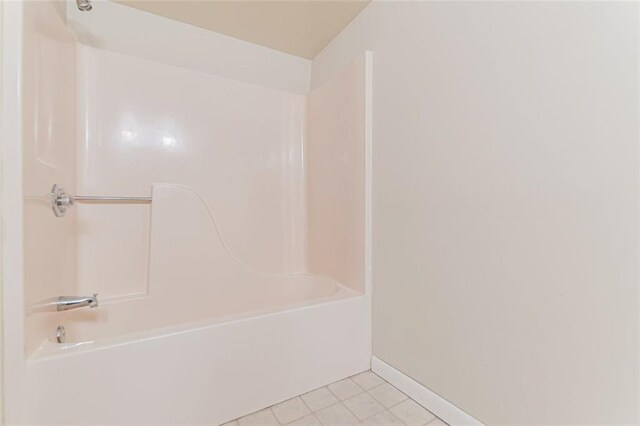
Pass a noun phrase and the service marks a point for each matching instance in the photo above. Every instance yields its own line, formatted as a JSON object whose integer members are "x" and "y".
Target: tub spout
{"x": 65, "y": 303}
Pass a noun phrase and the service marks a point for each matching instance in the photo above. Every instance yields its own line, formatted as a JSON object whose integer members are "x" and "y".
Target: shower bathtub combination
{"x": 194, "y": 223}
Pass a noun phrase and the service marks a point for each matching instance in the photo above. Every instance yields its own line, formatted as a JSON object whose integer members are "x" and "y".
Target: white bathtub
{"x": 207, "y": 353}
{"x": 202, "y": 373}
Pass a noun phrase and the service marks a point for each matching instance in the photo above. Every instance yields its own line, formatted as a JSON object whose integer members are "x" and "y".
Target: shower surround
{"x": 246, "y": 280}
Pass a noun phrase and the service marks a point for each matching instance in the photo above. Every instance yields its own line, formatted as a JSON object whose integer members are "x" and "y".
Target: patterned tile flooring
{"x": 364, "y": 399}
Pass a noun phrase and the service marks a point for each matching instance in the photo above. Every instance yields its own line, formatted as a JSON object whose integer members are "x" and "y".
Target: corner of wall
{"x": 148, "y": 36}
{"x": 354, "y": 39}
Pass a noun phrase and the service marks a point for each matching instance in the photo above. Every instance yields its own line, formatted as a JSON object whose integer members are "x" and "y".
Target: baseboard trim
{"x": 423, "y": 396}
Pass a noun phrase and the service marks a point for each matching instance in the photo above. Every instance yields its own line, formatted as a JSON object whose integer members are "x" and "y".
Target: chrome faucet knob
{"x": 60, "y": 200}
{"x": 64, "y": 201}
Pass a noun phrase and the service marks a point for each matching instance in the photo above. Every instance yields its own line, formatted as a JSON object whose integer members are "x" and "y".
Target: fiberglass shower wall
{"x": 48, "y": 152}
{"x": 238, "y": 145}
{"x": 280, "y": 171}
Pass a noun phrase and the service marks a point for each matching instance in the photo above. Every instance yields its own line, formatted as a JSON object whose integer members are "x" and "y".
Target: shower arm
{"x": 61, "y": 201}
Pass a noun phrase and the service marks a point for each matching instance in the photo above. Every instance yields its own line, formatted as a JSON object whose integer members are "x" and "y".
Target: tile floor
{"x": 364, "y": 399}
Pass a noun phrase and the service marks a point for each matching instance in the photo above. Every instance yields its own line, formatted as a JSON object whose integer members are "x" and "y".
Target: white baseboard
{"x": 423, "y": 396}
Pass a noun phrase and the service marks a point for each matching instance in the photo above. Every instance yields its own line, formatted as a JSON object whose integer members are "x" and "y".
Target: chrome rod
{"x": 106, "y": 198}
{"x": 61, "y": 201}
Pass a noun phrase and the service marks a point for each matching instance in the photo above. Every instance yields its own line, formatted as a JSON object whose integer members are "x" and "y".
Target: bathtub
{"x": 206, "y": 354}
{"x": 201, "y": 373}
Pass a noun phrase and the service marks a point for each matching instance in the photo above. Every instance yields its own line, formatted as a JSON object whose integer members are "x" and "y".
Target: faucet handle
{"x": 60, "y": 200}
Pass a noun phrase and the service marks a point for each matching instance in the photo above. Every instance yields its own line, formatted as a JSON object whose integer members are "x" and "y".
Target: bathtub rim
{"x": 49, "y": 349}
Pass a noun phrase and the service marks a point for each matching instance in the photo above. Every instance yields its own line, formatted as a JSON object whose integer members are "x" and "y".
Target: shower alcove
{"x": 245, "y": 281}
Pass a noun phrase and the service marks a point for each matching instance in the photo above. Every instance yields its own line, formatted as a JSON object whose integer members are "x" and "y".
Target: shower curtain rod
{"x": 90, "y": 198}
{"x": 60, "y": 201}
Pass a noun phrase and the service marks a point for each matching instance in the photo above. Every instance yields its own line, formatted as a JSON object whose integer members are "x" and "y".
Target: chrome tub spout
{"x": 65, "y": 303}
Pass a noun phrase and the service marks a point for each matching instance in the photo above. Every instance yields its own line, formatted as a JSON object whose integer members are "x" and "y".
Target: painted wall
{"x": 505, "y": 214}
{"x": 335, "y": 169}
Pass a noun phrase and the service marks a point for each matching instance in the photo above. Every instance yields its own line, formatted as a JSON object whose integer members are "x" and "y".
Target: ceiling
{"x": 299, "y": 27}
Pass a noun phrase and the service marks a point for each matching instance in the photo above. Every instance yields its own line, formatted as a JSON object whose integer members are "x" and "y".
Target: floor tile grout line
{"x": 273, "y": 414}
{"x": 366, "y": 418}
{"x": 397, "y": 403}
{"x": 329, "y": 406}
{"x": 344, "y": 405}
{"x": 354, "y": 414}
{"x": 312, "y": 414}
{"x": 347, "y": 408}
{"x": 305, "y": 402}
{"x": 436, "y": 418}
{"x": 407, "y": 397}
{"x": 337, "y": 397}
{"x": 323, "y": 408}
{"x": 360, "y": 393}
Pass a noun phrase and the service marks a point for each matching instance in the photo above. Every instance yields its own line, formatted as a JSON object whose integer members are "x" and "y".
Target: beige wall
{"x": 505, "y": 176}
